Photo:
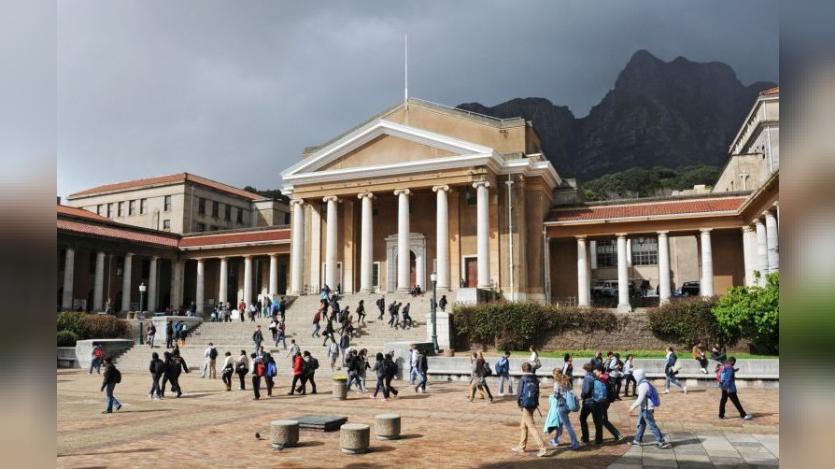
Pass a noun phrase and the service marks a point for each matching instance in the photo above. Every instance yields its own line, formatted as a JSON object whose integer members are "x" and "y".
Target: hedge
{"x": 67, "y": 338}
{"x": 515, "y": 326}
{"x": 752, "y": 313}
{"x": 686, "y": 321}
{"x": 92, "y": 326}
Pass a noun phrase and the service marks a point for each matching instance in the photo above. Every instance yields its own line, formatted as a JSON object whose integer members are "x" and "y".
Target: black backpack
{"x": 611, "y": 391}
{"x": 117, "y": 375}
{"x": 391, "y": 369}
{"x": 213, "y": 353}
{"x": 314, "y": 363}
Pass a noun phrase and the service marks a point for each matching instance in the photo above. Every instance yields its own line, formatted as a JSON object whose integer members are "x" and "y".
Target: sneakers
{"x": 635, "y": 443}
{"x": 373, "y": 397}
{"x": 553, "y": 443}
{"x": 618, "y": 437}
{"x": 666, "y": 391}
{"x": 543, "y": 453}
{"x": 119, "y": 406}
{"x": 517, "y": 449}
{"x": 748, "y": 417}
{"x": 663, "y": 445}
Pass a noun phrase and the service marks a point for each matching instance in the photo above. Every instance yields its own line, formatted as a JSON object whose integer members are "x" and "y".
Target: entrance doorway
{"x": 470, "y": 272}
{"x": 412, "y": 269}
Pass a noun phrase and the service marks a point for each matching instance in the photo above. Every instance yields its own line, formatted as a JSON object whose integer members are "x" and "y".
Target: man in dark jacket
{"x": 112, "y": 376}
{"x": 381, "y": 305}
{"x": 169, "y": 334}
{"x": 157, "y": 369}
{"x": 309, "y": 366}
{"x": 422, "y": 368}
{"x": 257, "y": 337}
{"x": 590, "y": 407}
{"x": 176, "y": 366}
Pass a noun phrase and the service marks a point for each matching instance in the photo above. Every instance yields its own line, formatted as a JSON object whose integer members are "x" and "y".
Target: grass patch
{"x": 636, "y": 353}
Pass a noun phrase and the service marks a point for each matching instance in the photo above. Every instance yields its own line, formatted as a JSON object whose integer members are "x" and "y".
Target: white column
{"x": 248, "y": 280}
{"x": 773, "y": 240}
{"x": 628, "y": 252}
{"x": 483, "y": 233}
{"x": 69, "y": 276}
{"x": 623, "y": 276}
{"x": 152, "y": 284}
{"x": 663, "y": 267}
{"x": 582, "y": 273}
{"x": 366, "y": 242}
{"x": 297, "y": 247}
{"x": 98, "y": 283}
{"x": 706, "y": 282}
{"x": 747, "y": 255}
{"x": 273, "y": 276}
{"x": 176, "y": 283}
{"x": 198, "y": 295}
{"x": 442, "y": 237}
{"x": 330, "y": 243}
{"x": 593, "y": 254}
{"x": 402, "y": 239}
{"x": 762, "y": 251}
{"x": 127, "y": 269}
{"x": 223, "y": 281}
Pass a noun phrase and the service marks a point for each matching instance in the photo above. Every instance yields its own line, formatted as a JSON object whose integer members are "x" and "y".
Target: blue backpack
{"x": 529, "y": 396}
{"x": 271, "y": 369}
{"x": 571, "y": 401}
{"x": 652, "y": 394}
{"x": 600, "y": 393}
{"x": 502, "y": 366}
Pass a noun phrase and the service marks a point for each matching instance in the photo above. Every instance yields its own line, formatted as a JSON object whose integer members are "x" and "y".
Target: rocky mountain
{"x": 670, "y": 114}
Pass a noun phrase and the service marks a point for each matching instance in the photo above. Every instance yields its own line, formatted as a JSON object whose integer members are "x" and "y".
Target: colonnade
{"x": 761, "y": 247}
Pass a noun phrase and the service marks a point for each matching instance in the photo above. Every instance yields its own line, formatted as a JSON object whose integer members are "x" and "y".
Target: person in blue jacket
{"x": 727, "y": 382}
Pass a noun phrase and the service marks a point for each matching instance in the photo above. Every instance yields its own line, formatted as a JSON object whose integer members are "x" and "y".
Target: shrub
{"x": 517, "y": 325}
{"x": 92, "y": 326}
{"x": 67, "y": 338}
{"x": 685, "y": 321}
{"x": 752, "y": 313}
{"x": 72, "y": 321}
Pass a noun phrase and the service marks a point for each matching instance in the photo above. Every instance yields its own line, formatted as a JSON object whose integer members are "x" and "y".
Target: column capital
{"x": 767, "y": 213}
{"x": 581, "y": 237}
{"x": 705, "y": 230}
{"x": 442, "y": 187}
{"x": 776, "y": 204}
{"x": 296, "y": 201}
{"x": 485, "y": 184}
{"x": 621, "y": 235}
{"x": 747, "y": 228}
{"x": 128, "y": 254}
{"x": 402, "y": 191}
{"x": 274, "y": 255}
{"x": 330, "y": 198}
{"x": 363, "y": 195}
{"x": 662, "y": 233}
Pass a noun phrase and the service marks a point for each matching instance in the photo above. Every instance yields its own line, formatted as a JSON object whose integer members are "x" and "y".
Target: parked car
{"x": 690, "y": 288}
{"x": 607, "y": 288}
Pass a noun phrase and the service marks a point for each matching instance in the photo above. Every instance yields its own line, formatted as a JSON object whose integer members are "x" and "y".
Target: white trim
{"x": 236, "y": 245}
{"x": 605, "y": 221}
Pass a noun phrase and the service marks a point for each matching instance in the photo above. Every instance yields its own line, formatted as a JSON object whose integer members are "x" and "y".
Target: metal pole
{"x": 435, "y": 316}
{"x": 141, "y": 298}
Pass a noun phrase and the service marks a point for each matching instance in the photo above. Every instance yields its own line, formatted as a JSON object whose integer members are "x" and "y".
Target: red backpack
{"x": 260, "y": 368}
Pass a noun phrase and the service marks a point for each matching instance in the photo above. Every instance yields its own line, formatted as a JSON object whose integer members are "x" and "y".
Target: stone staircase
{"x": 236, "y": 336}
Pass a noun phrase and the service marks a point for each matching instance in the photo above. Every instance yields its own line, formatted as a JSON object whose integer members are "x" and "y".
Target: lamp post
{"x": 434, "y": 309}
{"x": 142, "y": 289}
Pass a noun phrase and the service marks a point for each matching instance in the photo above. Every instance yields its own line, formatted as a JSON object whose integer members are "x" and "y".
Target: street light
{"x": 142, "y": 289}
{"x": 434, "y": 308}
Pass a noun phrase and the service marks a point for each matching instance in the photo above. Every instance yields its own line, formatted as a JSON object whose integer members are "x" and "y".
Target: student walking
{"x": 727, "y": 382}
{"x": 568, "y": 366}
{"x": 169, "y": 335}
{"x": 670, "y": 372}
{"x": 228, "y": 371}
{"x": 97, "y": 358}
{"x": 421, "y": 368}
{"x": 647, "y": 400}
{"x": 111, "y": 378}
{"x": 258, "y": 371}
{"x": 381, "y": 305}
{"x": 294, "y": 348}
{"x": 442, "y": 303}
{"x": 309, "y": 366}
{"x": 700, "y": 356}
{"x": 298, "y": 371}
{"x": 333, "y": 353}
{"x": 270, "y": 373}
{"x": 178, "y": 365}
{"x": 480, "y": 370}
{"x": 257, "y": 337}
{"x": 317, "y": 317}
{"x": 242, "y": 368}
{"x": 589, "y": 407}
{"x": 391, "y": 372}
{"x": 281, "y": 334}
{"x": 361, "y": 313}
{"x": 628, "y": 375}
{"x": 150, "y": 334}
{"x": 503, "y": 372}
{"x": 209, "y": 362}
{"x": 528, "y": 402}
{"x": 157, "y": 369}
{"x": 609, "y": 394}
{"x": 379, "y": 370}
{"x": 560, "y": 404}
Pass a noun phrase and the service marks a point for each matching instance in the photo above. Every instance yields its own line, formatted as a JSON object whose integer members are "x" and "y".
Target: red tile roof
{"x": 118, "y": 232}
{"x": 770, "y": 91}
{"x": 280, "y": 234}
{"x": 81, "y": 213}
{"x": 646, "y": 209}
{"x": 166, "y": 180}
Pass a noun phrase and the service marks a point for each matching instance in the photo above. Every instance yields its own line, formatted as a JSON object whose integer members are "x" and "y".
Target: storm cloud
{"x": 235, "y": 90}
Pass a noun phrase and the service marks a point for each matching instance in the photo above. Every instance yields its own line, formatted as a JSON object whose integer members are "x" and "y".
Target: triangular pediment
{"x": 383, "y": 144}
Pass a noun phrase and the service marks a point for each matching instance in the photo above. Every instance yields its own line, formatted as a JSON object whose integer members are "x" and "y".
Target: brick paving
{"x": 213, "y": 428}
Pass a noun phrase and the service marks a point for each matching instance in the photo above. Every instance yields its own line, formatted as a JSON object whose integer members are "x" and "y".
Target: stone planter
{"x": 353, "y": 438}
{"x": 387, "y": 426}
{"x": 340, "y": 388}
{"x": 285, "y": 433}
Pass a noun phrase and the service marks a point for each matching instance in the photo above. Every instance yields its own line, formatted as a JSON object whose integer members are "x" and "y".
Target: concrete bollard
{"x": 387, "y": 426}
{"x": 353, "y": 438}
{"x": 285, "y": 433}
{"x": 340, "y": 389}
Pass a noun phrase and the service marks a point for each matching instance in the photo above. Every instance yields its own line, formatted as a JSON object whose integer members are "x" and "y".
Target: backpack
{"x": 571, "y": 401}
{"x": 271, "y": 369}
{"x": 314, "y": 363}
{"x": 159, "y": 367}
{"x": 117, "y": 375}
{"x": 487, "y": 370}
{"x": 611, "y": 391}
{"x": 213, "y": 353}
{"x": 529, "y": 397}
{"x": 600, "y": 392}
{"x": 391, "y": 369}
{"x": 98, "y": 352}
{"x": 502, "y": 366}
{"x": 259, "y": 368}
{"x": 652, "y": 394}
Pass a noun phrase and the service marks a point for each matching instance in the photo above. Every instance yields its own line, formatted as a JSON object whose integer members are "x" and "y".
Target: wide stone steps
{"x": 236, "y": 336}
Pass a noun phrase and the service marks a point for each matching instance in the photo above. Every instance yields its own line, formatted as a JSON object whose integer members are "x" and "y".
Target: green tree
{"x": 752, "y": 313}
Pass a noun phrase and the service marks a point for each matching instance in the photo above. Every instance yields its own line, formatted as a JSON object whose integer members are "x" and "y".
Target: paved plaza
{"x": 213, "y": 428}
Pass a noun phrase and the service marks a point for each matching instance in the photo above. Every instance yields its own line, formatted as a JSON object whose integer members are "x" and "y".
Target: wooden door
{"x": 471, "y": 269}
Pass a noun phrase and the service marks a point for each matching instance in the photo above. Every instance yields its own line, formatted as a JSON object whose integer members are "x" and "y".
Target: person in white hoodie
{"x": 646, "y": 401}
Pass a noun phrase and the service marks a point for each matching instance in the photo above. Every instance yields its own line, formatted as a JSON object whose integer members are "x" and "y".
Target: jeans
{"x": 241, "y": 377}
{"x": 413, "y": 373}
{"x": 270, "y": 384}
{"x": 155, "y": 390}
{"x": 647, "y": 419}
{"x": 421, "y": 376}
{"x": 111, "y": 400}
{"x": 309, "y": 379}
{"x": 735, "y": 399}
{"x": 95, "y": 363}
{"x": 256, "y": 386}
{"x": 354, "y": 378}
{"x": 381, "y": 386}
{"x": 590, "y": 408}
{"x": 315, "y": 330}
{"x": 670, "y": 378}
{"x": 566, "y": 424}
{"x": 390, "y": 387}
{"x": 505, "y": 379}
{"x": 281, "y": 338}
{"x": 629, "y": 379}
{"x": 150, "y": 340}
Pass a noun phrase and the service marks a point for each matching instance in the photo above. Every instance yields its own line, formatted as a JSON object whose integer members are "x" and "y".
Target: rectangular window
{"x": 240, "y": 215}
{"x": 471, "y": 198}
{"x": 131, "y": 207}
{"x": 214, "y": 228}
{"x": 98, "y": 209}
{"x": 143, "y": 206}
{"x": 215, "y": 209}
{"x": 607, "y": 253}
{"x": 201, "y": 227}
{"x": 109, "y": 210}
{"x": 167, "y": 203}
{"x": 644, "y": 251}
{"x": 287, "y": 218}
{"x": 201, "y": 206}
{"x": 166, "y": 225}
{"x": 375, "y": 274}
{"x": 228, "y": 214}
{"x": 120, "y": 209}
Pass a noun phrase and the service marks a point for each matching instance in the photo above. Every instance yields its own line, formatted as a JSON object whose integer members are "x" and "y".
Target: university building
{"x": 420, "y": 189}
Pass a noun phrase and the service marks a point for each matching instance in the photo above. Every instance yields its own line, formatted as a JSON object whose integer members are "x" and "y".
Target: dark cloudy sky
{"x": 235, "y": 90}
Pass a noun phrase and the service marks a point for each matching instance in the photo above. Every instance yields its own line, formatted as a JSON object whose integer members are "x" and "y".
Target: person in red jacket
{"x": 298, "y": 370}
